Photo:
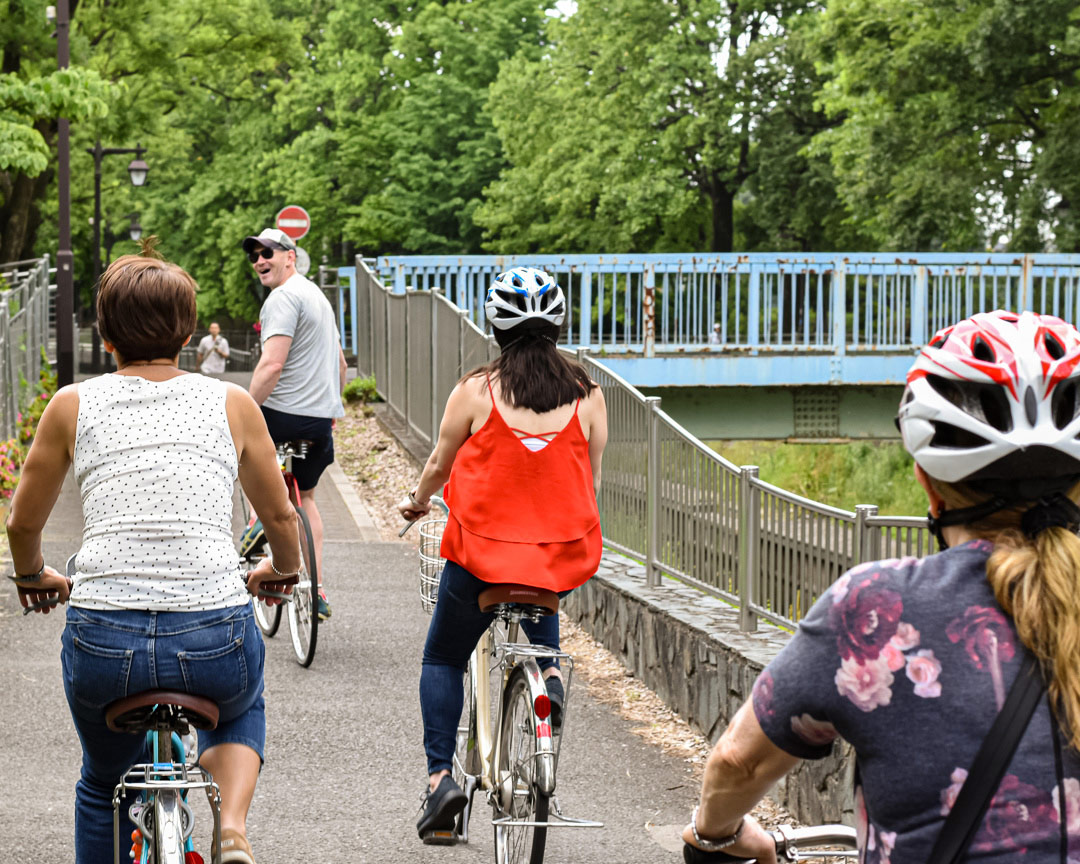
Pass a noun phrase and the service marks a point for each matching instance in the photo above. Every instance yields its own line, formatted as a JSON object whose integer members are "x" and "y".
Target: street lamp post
{"x": 137, "y": 169}
{"x": 133, "y": 232}
{"x": 65, "y": 260}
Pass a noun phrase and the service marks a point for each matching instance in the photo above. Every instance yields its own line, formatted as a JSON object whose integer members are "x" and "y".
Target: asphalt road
{"x": 345, "y": 763}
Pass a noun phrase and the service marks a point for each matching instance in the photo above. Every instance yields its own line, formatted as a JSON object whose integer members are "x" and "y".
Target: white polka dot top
{"x": 155, "y": 463}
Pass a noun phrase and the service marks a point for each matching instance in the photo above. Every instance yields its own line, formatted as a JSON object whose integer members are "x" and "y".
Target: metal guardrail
{"x": 666, "y": 498}
{"x": 829, "y": 302}
{"x": 24, "y": 331}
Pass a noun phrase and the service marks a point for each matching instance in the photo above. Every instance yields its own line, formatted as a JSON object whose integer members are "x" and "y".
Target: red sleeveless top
{"x": 523, "y": 516}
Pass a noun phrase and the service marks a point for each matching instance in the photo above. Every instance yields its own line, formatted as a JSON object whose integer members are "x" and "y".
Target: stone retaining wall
{"x": 687, "y": 647}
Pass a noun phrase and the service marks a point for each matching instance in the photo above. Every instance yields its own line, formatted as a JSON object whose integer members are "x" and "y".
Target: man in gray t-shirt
{"x": 301, "y": 373}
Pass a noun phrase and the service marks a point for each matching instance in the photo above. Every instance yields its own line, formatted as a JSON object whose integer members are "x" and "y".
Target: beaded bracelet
{"x": 714, "y": 845}
{"x": 285, "y": 575}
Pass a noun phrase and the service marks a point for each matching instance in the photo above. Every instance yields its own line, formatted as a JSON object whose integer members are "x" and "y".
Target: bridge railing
{"x": 24, "y": 331}
{"x": 831, "y": 302}
{"x": 665, "y": 497}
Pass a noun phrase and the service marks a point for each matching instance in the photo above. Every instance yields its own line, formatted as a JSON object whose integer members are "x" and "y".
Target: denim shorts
{"x": 217, "y": 653}
{"x": 109, "y": 654}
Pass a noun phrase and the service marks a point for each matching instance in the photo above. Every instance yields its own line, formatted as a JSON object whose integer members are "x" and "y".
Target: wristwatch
{"x": 32, "y": 577}
{"x": 718, "y": 844}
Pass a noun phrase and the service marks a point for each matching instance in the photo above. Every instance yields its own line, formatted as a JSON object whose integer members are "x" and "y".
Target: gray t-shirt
{"x": 910, "y": 661}
{"x": 310, "y": 380}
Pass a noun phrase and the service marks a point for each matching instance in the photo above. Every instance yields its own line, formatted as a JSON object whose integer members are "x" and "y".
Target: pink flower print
{"x": 886, "y": 842}
{"x": 923, "y": 670}
{"x": 865, "y": 620}
{"x": 906, "y": 637}
{"x": 948, "y": 796}
{"x": 1019, "y": 816}
{"x": 763, "y": 695}
{"x": 988, "y": 640}
{"x": 812, "y": 731}
{"x": 894, "y": 657}
{"x": 840, "y": 588}
{"x": 868, "y": 685}
{"x": 1072, "y": 804}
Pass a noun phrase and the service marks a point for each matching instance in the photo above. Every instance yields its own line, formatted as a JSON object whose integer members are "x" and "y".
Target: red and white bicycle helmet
{"x": 995, "y": 401}
{"x": 524, "y": 295}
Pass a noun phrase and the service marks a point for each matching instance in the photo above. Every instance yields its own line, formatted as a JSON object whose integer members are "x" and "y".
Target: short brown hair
{"x": 146, "y": 307}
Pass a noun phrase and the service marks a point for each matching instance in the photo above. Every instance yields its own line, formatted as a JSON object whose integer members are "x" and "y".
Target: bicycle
{"x": 792, "y": 844}
{"x": 303, "y": 602}
{"x": 506, "y": 743}
{"x": 164, "y": 820}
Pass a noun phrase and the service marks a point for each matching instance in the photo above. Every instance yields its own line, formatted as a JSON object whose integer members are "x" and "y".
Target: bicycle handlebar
{"x": 789, "y": 843}
{"x": 434, "y": 499}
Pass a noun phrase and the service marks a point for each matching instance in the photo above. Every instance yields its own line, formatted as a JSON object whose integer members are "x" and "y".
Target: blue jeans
{"x": 456, "y": 627}
{"x": 108, "y": 655}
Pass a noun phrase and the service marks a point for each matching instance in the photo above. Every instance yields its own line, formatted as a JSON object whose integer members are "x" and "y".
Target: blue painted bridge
{"x": 760, "y": 319}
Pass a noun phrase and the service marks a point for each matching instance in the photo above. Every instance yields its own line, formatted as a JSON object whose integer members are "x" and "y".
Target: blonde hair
{"x": 1036, "y": 582}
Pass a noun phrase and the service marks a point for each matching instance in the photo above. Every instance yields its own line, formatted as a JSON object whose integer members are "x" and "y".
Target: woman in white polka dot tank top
{"x": 158, "y": 599}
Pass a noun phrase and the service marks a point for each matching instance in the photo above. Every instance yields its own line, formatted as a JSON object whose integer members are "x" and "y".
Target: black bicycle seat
{"x": 144, "y": 711}
{"x": 510, "y": 594}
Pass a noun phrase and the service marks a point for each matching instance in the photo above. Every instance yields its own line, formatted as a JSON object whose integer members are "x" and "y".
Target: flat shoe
{"x": 235, "y": 848}
{"x": 441, "y": 808}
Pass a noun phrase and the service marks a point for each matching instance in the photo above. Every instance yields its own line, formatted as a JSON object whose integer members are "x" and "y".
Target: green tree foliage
{"x": 958, "y": 120}
{"x": 653, "y": 122}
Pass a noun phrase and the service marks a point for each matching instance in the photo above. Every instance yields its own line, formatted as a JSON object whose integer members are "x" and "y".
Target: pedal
{"x": 440, "y": 837}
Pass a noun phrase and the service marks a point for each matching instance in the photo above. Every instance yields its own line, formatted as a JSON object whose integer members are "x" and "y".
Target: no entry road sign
{"x": 294, "y": 221}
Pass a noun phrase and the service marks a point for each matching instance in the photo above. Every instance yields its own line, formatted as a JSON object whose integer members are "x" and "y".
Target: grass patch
{"x": 841, "y": 475}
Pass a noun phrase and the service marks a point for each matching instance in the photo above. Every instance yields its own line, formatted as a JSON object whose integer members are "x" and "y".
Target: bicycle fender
{"x": 545, "y": 750}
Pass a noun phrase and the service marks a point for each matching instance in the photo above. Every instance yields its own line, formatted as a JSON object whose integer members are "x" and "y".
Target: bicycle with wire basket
{"x": 506, "y": 744}
{"x": 303, "y": 602}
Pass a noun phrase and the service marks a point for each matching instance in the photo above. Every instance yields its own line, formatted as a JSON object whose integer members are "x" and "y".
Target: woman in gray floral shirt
{"x": 910, "y": 660}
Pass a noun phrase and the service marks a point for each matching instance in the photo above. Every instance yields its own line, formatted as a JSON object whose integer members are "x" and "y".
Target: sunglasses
{"x": 262, "y": 253}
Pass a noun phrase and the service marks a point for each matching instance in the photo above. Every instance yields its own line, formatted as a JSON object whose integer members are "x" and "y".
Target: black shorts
{"x": 318, "y": 430}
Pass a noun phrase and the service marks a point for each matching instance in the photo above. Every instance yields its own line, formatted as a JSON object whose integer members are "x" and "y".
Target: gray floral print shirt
{"x": 910, "y": 660}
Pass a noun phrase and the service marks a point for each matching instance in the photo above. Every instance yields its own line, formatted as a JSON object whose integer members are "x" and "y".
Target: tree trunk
{"x": 15, "y": 218}
{"x": 723, "y": 218}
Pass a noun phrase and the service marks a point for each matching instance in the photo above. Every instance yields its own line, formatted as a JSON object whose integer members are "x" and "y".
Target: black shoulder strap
{"x": 990, "y": 765}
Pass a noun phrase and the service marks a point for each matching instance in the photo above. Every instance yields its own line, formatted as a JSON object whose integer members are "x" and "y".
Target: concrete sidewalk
{"x": 345, "y": 763}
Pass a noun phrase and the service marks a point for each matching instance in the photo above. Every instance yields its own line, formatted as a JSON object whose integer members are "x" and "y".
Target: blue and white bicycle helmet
{"x": 525, "y": 296}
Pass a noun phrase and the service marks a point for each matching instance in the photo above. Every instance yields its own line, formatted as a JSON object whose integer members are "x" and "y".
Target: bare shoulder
{"x": 64, "y": 404}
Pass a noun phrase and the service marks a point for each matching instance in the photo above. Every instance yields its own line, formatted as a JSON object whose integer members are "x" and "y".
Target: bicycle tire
{"x": 519, "y": 844}
{"x": 266, "y": 616}
{"x": 304, "y": 606}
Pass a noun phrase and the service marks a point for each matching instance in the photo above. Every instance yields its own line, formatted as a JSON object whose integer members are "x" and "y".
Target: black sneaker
{"x": 440, "y": 811}
{"x": 556, "y": 694}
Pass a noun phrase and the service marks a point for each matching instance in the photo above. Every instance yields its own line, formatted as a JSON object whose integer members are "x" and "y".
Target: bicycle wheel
{"x": 522, "y": 801}
{"x": 267, "y": 617}
{"x": 304, "y": 606}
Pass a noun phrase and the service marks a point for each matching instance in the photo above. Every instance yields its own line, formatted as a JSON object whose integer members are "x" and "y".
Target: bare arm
{"x": 742, "y": 767}
{"x": 455, "y": 428}
{"x": 261, "y": 480}
{"x": 342, "y": 369}
{"x": 265, "y": 377}
{"x": 39, "y": 486}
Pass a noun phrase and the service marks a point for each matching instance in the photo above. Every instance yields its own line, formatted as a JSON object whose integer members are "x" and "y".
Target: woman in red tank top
{"x": 519, "y": 452}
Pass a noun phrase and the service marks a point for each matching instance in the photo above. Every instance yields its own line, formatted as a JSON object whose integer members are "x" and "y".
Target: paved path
{"x": 345, "y": 764}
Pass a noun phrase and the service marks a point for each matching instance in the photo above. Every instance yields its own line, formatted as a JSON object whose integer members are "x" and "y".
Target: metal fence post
{"x": 408, "y": 354}
{"x": 1026, "y": 296}
{"x": 434, "y": 294}
{"x": 462, "y": 314}
{"x": 866, "y": 549}
{"x": 585, "y": 318}
{"x": 749, "y": 544}
{"x": 652, "y": 493}
{"x": 920, "y": 306}
{"x": 753, "y": 311}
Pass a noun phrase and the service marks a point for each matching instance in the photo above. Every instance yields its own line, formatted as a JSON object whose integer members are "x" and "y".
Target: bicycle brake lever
{"x": 408, "y": 524}
{"x": 277, "y": 595}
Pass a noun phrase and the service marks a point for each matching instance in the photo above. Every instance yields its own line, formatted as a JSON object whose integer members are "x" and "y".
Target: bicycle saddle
{"x": 518, "y": 595}
{"x": 135, "y": 713}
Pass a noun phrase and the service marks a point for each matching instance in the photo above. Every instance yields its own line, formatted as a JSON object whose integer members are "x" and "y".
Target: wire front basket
{"x": 431, "y": 565}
